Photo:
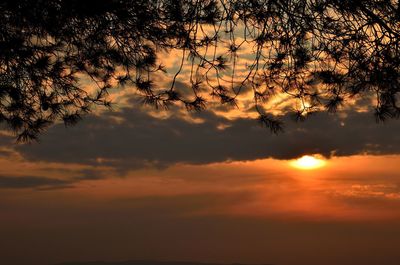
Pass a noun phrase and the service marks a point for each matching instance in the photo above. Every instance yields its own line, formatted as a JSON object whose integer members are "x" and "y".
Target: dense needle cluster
{"x": 321, "y": 53}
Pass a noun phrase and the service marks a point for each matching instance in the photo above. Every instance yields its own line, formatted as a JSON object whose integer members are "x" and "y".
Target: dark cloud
{"x": 47, "y": 183}
{"x": 33, "y": 182}
{"x": 132, "y": 139}
{"x": 90, "y": 174}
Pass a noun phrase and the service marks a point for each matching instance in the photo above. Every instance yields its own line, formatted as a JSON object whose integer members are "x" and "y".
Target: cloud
{"x": 37, "y": 182}
{"x": 131, "y": 139}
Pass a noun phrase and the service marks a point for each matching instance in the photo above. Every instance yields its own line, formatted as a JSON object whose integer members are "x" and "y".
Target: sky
{"x": 139, "y": 183}
{"x": 128, "y": 184}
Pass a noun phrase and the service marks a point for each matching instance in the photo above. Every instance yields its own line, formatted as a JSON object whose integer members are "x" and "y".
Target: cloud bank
{"x": 132, "y": 138}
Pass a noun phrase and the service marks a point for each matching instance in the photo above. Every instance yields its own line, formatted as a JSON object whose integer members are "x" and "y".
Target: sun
{"x": 308, "y": 162}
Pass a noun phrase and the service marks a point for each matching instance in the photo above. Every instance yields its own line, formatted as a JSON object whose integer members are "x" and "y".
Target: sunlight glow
{"x": 308, "y": 162}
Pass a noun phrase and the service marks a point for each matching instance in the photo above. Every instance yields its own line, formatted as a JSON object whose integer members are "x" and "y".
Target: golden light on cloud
{"x": 308, "y": 162}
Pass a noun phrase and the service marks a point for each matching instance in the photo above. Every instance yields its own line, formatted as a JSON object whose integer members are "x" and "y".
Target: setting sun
{"x": 308, "y": 162}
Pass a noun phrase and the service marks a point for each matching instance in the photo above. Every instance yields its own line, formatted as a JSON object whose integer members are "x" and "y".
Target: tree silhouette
{"x": 321, "y": 53}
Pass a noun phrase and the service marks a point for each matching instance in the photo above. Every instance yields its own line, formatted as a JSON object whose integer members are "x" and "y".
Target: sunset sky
{"x": 135, "y": 183}
{"x": 138, "y": 183}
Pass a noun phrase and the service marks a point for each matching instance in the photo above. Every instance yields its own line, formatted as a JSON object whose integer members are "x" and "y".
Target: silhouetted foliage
{"x": 321, "y": 53}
